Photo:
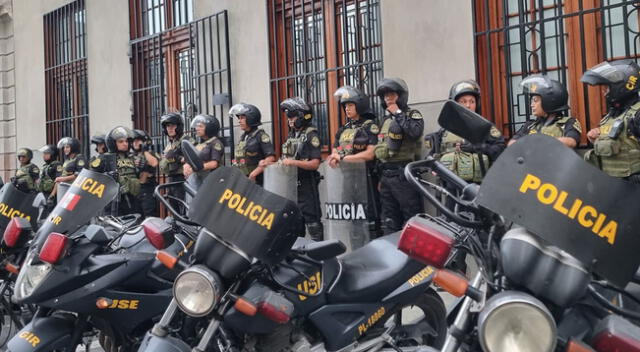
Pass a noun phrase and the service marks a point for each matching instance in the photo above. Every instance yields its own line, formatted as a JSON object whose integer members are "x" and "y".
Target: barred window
{"x": 318, "y": 46}
{"x": 563, "y": 39}
{"x": 67, "y": 103}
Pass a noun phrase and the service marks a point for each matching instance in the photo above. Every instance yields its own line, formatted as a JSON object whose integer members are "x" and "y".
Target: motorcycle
{"x": 532, "y": 292}
{"x": 89, "y": 277}
{"x": 254, "y": 285}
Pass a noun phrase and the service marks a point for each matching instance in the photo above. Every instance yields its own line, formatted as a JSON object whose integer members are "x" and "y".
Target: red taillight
{"x": 273, "y": 313}
{"x": 14, "y": 229}
{"x": 421, "y": 241}
{"x": 158, "y": 232}
{"x": 53, "y": 248}
{"x": 607, "y": 341}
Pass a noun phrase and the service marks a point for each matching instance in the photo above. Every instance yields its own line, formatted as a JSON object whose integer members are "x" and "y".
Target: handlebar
{"x": 448, "y": 176}
{"x": 166, "y": 203}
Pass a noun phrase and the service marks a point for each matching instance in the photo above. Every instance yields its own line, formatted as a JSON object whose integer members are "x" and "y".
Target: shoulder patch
{"x": 264, "y": 138}
{"x": 495, "y": 133}
{"x": 80, "y": 162}
{"x": 416, "y": 115}
{"x": 315, "y": 141}
{"x": 577, "y": 126}
{"x": 59, "y": 168}
{"x": 95, "y": 162}
{"x": 374, "y": 128}
{"x": 217, "y": 146}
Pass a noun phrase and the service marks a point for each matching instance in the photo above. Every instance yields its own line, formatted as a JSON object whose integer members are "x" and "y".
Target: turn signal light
{"x": 14, "y": 229}
{"x": 422, "y": 242}
{"x": 103, "y": 303}
{"x": 577, "y": 346}
{"x": 451, "y": 282}
{"x": 166, "y": 259}
{"x": 245, "y": 307}
{"x": 53, "y": 248}
{"x": 14, "y": 269}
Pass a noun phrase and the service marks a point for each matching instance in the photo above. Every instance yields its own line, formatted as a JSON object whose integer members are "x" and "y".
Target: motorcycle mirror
{"x": 464, "y": 122}
{"x": 191, "y": 156}
{"x": 324, "y": 249}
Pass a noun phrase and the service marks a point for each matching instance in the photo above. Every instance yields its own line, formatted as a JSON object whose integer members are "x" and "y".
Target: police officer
{"x": 468, "y": 161}
{"x": 101, "y": 147}
{"x": 73, "y": 161}
{"x": 172, "y": 159}
{"x": 616, "y": 149}
{"x": 118, "y": 142}
{"x": 399, "y": 143}
{"x": 51, "y": 169}
{"x": 302, "y": 150}
{"x": 254, "y": 151}
{"x": 549, "y": 101}
{"x": 356, "y": 141}
{"x": 209, "y": 146}
{"x": 27, "y": 174}
{"x": 146, "y": 161}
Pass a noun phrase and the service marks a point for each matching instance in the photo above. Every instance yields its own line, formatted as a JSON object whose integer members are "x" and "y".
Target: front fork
{"x": 461, "y": 322}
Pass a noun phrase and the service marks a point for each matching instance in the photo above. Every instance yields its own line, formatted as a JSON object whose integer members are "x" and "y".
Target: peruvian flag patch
{"x": 69, "y": 201}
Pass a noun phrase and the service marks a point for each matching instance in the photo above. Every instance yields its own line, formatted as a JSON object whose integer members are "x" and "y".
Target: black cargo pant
{"x": 147, "y": 201}
{"x": 177, "y": 192}
{"x": 399, "y": 198}
{"x": 309, "y": 203}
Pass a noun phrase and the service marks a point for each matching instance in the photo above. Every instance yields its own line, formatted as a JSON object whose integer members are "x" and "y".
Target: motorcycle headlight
{"x": 516, "y": 322}
{"x": 197, "y": 290}
{"x": 30, "y": 277}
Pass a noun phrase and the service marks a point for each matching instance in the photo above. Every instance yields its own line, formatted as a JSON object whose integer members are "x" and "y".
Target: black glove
{"x": 473, "y": 148}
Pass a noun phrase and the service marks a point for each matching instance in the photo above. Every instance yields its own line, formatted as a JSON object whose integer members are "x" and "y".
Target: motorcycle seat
{"x": 373, "y": 271}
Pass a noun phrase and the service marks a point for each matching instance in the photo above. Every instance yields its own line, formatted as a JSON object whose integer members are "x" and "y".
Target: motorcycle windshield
{"x": 89, "y": 193}
{"x": 551, "y": 191}
{"x": 15, "y": 203}
{"x": 261, "y": 224}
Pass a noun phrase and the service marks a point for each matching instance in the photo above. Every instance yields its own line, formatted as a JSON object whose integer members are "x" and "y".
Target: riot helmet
{"x": 97, "y": 139}
{"x": 468, "y": 86}
{"x": 349, "y": 94}
{"x": 397, "y": 85}
{"x": 26, "y": 152}
{"x": 297, "y": 107}
{"x": 172, "y": 118}
{"x": 51, "y": 150}
{"x": 71, "y": 142}
{"x": 250, "y": 112}
{"x": 553, "y": 94}
{"x": 143, "y": 136}
{"x": 621, "y": 76}
{"x": 118, "y": 132}
{"x": 211, "y": 124}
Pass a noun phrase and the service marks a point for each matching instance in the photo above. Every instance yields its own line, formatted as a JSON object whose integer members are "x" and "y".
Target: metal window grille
{"x": 517, "y": 38}
{"x": 150, "y": 17}
{"x": 186, "y": 70}
{"x": 67, "y": 103}
{"x": 318, "y": 46}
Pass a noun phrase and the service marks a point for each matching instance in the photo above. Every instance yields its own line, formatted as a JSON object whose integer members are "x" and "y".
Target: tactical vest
{"x": 127, "y": 176}
{"x": 293, "y": 144}
{"x": 409, "y": 150}
{"x": 464, "y": 164}
{"x": 24, "y": 173}
{"x": 172, "y": 165}
{"x": 46, "y": 181}
{"x": 619, "y": 157}
{"x": 65, "y": 172}
{"x": 241, "y": 161}
{"x": 347, "y": 137}
{"x": 555, "y": 129}
{"x": 200, "y": 146}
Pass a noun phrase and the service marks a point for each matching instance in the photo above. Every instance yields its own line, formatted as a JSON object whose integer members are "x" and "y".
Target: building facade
{"x": 81, "y": 67}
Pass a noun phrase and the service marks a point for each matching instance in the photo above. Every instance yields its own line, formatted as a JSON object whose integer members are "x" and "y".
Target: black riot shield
{"x": 15, "y": 203}
{"x": 282, "y": 180}
{"x": 547, "y": 188}
{"x": 343, "y": 192}
{"x": 61, "y": 189}
{"x": 89, "y": 193}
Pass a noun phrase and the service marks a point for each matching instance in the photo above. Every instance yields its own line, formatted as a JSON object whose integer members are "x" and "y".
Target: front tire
{"x": 429, "y": 330}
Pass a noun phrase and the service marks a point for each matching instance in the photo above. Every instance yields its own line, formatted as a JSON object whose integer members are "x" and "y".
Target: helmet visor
{"x": 121, "y": 132}
{"x": 238, "y": 109}
{"x": 533, "y": 84}
{"x": 64, "y": 141}
{"x": 603, "y": 73}
{"x": 346, "y": 92}
{"x": 198, "y": 119}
